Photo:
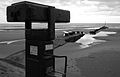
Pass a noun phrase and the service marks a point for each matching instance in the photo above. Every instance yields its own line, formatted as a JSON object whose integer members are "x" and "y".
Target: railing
{"x": 53, "y": 56}
{"x": 65, "y": 68}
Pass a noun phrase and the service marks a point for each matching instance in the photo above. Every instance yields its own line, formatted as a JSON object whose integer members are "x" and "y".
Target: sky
{"x": 81, "y": 11}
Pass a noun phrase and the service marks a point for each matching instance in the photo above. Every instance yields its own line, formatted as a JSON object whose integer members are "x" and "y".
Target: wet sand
{"x": 101, "y": 60}
{"x": 8, "y": 36}
{"x": 11, "y": 35}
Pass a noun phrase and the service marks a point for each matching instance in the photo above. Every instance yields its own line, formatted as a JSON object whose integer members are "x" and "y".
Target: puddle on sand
{"x": 88, "y": 40}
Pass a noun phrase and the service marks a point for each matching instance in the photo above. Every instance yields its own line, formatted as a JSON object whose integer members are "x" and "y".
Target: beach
{"x": 100, "y": 59}
{"x": 11, "y": 41}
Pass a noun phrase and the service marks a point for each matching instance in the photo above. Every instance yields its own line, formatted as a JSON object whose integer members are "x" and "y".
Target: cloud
{"x": 2, "y": 11}
{"x": 78, "y": 8}
{"x": 108, "y": 5}
{"x": 106, "y": 0}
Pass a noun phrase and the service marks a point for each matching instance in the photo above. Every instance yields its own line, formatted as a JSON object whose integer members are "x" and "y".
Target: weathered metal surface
{"x": 22, "y": 11}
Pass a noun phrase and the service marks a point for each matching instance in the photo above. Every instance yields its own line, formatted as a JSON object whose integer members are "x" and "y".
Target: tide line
{"x": 12, "y": 41}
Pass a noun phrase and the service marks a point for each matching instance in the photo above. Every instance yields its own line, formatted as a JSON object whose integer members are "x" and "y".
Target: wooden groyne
{"x": 98, "y": 30}
{"x": 73, "y": 38}
{"x": 65, "y": 39}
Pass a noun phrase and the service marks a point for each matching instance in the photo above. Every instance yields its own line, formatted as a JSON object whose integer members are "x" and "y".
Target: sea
{"x": 59, "y": 25}
{"x": 87, "y": 40}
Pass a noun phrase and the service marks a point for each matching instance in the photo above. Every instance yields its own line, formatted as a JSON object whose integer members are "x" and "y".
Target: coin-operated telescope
{"x": 40, "y": 60}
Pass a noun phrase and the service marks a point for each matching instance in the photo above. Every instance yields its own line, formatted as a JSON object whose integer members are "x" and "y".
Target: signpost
{"x": 21, "y": 11}
{"x": 40, "y": 59}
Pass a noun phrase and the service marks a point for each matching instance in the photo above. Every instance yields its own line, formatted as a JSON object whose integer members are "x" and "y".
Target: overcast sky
{"x": 82, "y": 11}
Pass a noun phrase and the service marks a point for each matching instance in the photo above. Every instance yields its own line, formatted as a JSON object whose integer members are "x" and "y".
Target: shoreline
{"x": 92, "y": 61}
{"x": 13, "y": 46}
{"x": 97, "y": 60}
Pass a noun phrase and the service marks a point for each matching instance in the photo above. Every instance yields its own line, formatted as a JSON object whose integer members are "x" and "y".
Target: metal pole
{"x": 51, "y": 22}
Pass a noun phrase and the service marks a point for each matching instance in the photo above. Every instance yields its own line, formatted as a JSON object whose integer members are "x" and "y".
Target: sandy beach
{"x": 98, "y": 60}
{"x": 7, "y": 44}
{"x": 101, "y": 60}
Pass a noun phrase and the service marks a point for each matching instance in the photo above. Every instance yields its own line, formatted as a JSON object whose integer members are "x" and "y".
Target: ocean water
{"x": 59, "y": 27}
{"x": 86, "y": 41}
